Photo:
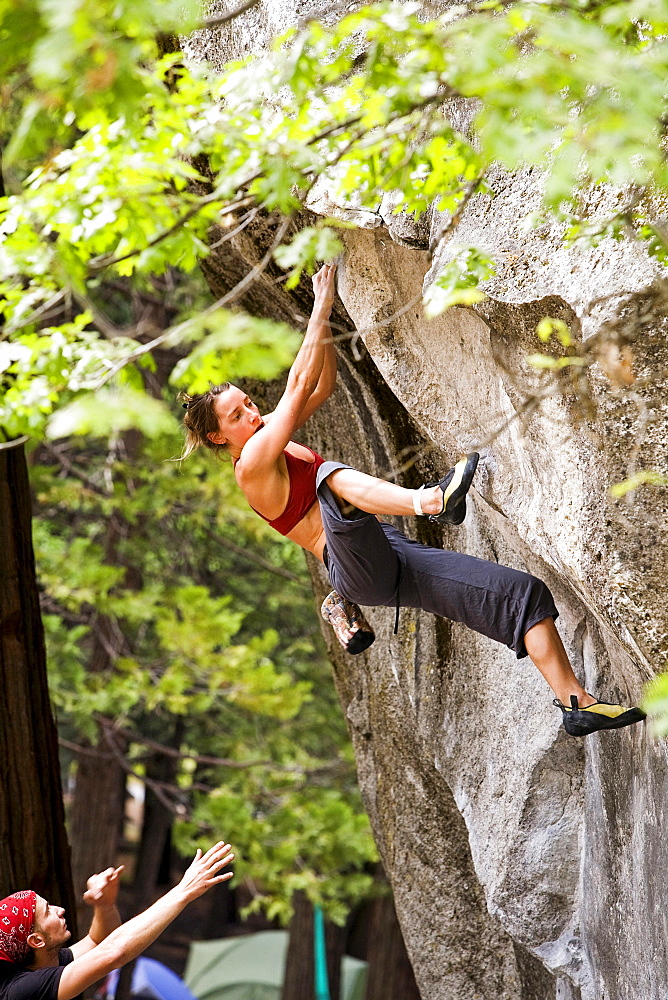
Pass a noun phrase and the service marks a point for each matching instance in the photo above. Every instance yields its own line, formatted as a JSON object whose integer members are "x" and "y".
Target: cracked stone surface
{"x": 526, "y": 865}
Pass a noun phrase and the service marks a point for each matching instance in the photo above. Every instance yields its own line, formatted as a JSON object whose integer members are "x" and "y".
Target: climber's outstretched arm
{"x": 327, "y": 381}
{"x": 311, "y": 380}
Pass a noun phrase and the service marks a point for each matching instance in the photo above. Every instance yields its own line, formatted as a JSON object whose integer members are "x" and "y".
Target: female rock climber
{"x": 370, "y": 562}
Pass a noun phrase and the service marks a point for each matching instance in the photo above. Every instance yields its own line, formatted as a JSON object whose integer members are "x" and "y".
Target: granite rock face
{"x": 525, "y": 864}
{"x": 564, "y": 835}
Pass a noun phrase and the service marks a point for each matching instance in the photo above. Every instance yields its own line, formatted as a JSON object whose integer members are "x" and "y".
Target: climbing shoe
{"x": 600, "y": 715}
{"x": 455, "y": 485}
{"x": 350, "y": 626}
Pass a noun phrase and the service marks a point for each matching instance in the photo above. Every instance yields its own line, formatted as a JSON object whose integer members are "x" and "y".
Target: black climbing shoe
{"x": 600, "y": 715}
{"x": 455, "y": 486}
{"x": 346, "y": 617}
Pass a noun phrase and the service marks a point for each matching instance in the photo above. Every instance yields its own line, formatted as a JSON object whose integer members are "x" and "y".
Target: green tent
{"x": 251, "y": 967}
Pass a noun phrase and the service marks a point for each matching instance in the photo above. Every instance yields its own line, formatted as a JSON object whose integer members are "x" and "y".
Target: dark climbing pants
{"x": 374, "y": 564}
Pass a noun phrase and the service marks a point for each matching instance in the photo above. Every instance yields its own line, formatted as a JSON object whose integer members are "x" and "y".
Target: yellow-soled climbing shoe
{"x": 592, "y": 719}
{"x": 455, "y": 485}
{"x": 350, "y": 626}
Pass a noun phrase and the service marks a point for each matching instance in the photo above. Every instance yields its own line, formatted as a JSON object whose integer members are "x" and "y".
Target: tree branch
{"x": 49, "y": 605}
{"x": 85, "y": 751}
{"x": 227, "y": 299}
{"x": 178, "y": 809}
{"x": 258, "y": 560}
{"x": 217, "y": 22}
{"x": 39, "y": 313}
{"x": 247, "y": 219}
{"x": 108, "y": 725}
{"x": 14, "y": 443}
{"x": 133, "y": 737}
{"x": 72, "y": 470}
{"x": 99, "y": 263}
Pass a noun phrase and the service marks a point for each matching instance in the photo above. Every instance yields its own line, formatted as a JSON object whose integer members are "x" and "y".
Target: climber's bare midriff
{"x": 309, "y": 533}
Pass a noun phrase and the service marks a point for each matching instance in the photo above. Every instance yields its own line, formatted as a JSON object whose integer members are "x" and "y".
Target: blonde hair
{"x": 201, "y": 419}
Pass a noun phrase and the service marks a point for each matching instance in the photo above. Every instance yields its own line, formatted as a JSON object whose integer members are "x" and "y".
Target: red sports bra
{"x": 302, "y": 476}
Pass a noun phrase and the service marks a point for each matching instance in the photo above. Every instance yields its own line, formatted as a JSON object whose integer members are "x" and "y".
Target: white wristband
{"x": 417, "y": 502}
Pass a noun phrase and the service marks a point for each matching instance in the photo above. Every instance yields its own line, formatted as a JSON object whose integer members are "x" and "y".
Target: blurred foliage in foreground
{"x": 655, "y": 703}
{"x": 118, "y": 158}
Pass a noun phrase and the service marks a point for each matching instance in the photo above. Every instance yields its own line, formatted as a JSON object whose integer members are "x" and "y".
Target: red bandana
{"x": 17, "y": 915}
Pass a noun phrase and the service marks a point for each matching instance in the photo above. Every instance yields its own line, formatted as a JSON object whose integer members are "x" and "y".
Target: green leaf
{"x": 311, "y": 245}
{"x": 109, "y": 411}
{"x": 549, "y": 327}
{"x": 556, "y": 364}
{"x": 645, "y": 476}
{"x": 655, "y": 703}
{"x": 457, "y": 282}
{"x": 234, "y": 345}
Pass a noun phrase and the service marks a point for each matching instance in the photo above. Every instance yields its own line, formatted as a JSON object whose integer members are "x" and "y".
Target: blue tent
{"x": 151, "y": 980}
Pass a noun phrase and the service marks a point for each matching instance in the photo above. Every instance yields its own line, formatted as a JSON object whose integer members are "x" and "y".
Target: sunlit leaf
{"x": 109, "y": 411}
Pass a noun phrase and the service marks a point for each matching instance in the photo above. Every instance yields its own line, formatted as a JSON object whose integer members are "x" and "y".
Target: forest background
{"x": 124, "y": 164}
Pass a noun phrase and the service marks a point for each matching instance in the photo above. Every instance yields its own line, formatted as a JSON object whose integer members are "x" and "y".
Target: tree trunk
{"x": 154, "y": 847}
{"x": 299, "y": 982}
{"x": 34, "y": 852}
{"x": 99, "y": 793}
{"x": 95, "y": 818}
{"x": 220, "y": 913}
{"x": 390, "y": 972}
{"x": 98, "y": 801}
